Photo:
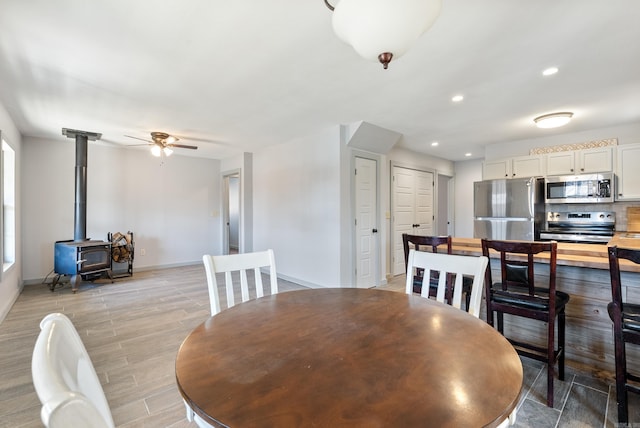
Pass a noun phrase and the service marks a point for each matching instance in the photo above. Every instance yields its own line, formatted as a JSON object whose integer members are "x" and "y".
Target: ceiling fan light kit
{"x": 382, "y": 29}
{"x": 553, "y": 120}
{"x": 162, "y": 144}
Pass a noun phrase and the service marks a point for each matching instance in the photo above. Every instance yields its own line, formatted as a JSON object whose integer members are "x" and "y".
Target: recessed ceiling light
{"x": 467, "y": 154}
{"x": 435, "y": 143}
{"x": 553, "y": 120}
{"x": 457, "y": 98}
{"x": 549, "y": 71}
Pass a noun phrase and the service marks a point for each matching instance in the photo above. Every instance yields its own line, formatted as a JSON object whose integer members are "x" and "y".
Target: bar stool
{"x": 518, "y": 294}
{"x": 626, "y": 329}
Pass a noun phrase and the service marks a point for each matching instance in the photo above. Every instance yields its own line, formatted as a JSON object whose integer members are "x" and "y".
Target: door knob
{"x": 374, "y": 231}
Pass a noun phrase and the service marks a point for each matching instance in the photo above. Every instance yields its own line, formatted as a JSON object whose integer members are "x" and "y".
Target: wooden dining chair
{"x": 518, "y": 294}
{"x": 432, "y": 244}
{"x": 64, "y": 378}
{"x": 451, "y": 269}
{"x": 238, "y": 265}
{"x": 626, "y": 329}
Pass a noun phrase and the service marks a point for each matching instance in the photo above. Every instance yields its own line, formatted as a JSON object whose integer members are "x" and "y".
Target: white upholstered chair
{"x": 65, "y": 379}
{"x": 228, "y": 264}
{"x": 451, "y": 269}
{"x": 240, "y": 263}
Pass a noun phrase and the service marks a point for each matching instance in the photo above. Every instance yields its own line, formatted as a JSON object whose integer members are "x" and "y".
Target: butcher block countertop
{"x": 569, "y": 254}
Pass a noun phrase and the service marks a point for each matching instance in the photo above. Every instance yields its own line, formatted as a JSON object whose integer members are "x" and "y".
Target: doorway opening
{"x": 231, "y": 215}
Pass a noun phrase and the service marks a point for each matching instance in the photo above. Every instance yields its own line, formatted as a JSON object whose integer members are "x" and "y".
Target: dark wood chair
{"x": 626, "y": 329}
{"x": 432, "y": 243}
{"x": 518, "y": 294}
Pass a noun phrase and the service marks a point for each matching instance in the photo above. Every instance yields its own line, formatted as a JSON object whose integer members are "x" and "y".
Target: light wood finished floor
{"x": 132, "y": 330}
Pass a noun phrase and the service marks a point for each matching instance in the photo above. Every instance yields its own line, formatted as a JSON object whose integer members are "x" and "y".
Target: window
{"x": 8, "y": 206}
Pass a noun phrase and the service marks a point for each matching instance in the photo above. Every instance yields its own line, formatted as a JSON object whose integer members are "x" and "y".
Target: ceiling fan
{"x": 162, "y": 143}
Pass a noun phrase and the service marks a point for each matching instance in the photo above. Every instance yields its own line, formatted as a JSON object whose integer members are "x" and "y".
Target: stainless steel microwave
{"x": 579, "y": 189}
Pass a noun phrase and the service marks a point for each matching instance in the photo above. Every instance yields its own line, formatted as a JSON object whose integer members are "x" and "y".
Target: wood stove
{"x": 80, "y": 257}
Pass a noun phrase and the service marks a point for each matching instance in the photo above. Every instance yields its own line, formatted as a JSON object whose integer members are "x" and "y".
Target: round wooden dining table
{"x": 348, "y": 357}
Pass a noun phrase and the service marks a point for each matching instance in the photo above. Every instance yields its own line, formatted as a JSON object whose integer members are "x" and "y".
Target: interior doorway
{"x": 444, "y": 209}
{"x": 231, "y": 215}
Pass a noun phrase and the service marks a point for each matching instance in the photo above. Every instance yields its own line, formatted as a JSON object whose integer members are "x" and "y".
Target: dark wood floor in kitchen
{"x": 132, "y": 329}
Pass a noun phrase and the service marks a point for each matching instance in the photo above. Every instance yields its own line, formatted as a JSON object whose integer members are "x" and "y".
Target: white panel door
{"x": 366, "y": 186}
{"x": 412, "y": 209}
{"x": 424, "y": 203}
{"x": 403, "y": 213}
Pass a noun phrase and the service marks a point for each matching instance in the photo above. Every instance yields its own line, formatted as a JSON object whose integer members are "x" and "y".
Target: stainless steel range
{"x": 595, "y": 227}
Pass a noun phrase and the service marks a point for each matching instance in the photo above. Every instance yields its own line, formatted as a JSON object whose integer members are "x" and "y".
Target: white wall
{"x": 466, "y": 172}
{"x": 11, "y": 280}
{"x": 417, "y": 160}
{"x": 297, "y": 207}
{"x": 172, "y": 207}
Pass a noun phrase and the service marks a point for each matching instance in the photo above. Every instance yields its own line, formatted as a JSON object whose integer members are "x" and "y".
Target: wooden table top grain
{"x": 348, "y": 357}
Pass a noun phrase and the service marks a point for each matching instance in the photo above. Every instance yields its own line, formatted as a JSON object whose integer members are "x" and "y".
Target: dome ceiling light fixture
{"x": 382, "y": 29}
{"x": 553, "y": 120}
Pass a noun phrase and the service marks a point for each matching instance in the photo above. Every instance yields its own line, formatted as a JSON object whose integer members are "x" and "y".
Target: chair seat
{"x": 630, "y": 316}
{"x": 519, "y": 297}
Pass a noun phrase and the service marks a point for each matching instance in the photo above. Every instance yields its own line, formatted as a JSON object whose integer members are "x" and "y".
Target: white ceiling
{"x": 232, "y": 76}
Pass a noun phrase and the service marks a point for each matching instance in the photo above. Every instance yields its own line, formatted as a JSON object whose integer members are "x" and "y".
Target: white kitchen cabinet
{"x": 628, "y": 172}
{"x": 516, "y": 167}
{"x": 580, "y": 161}
{"x": 497, "y": 168}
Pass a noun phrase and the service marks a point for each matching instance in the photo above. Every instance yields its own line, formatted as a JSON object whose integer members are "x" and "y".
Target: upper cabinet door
{"x": 628, "y": 172}
{"x": 596, "y": 160}
{"x": 580, "y": 161}
{"x": 527, "y": 166}
{"x": 498, "y": 168}
{"x": 560, "y": 163}
{"x": 518, "y": 167}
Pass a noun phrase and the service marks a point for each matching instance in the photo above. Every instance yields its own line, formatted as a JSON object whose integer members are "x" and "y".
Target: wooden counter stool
{"x": 518, "y": 294}
{"x": 432, "y": 244}
{"x": 626, "y": 329}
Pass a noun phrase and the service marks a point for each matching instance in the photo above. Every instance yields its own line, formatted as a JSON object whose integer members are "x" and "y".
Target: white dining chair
{"x": 228, "y": 264}
{"x": 65, "y": 379}
{"x": 240, "y": 263}
{"x": 451, "y": 268}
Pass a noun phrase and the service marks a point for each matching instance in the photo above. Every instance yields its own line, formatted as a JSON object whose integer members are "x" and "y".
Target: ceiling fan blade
{"x": 137, "y": 138}
{"x": 182, "y": 146}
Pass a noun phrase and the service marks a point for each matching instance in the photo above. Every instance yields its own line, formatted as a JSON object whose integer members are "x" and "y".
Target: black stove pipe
{"x": 80, "y": 205}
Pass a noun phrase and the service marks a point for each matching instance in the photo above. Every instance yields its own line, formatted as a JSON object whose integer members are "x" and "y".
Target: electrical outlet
{"x": 143, "y": 252}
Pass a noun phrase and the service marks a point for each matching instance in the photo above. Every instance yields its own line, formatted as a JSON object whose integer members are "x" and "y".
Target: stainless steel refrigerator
{"x": 508, "y": 209}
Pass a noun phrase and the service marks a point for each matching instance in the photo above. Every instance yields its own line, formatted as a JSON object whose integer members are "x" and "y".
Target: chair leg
{"x": 500, "y": 317}
{"x": 489, "y": 315}
{"x": 621, "y": 373}
{"x": 189, "y": 412}
{"x": 561, "y": 348}
{"x": 551, "y": 360}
